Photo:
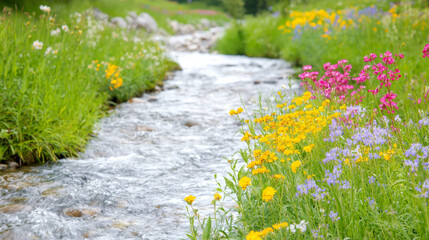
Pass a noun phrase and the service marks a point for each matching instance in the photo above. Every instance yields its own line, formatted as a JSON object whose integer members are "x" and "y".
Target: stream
{"x": 147, "y": 156}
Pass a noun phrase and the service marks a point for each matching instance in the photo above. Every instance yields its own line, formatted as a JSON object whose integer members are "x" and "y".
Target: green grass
{"x": 51, "y": 102}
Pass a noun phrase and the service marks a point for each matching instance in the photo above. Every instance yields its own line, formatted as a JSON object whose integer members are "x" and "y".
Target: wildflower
{"x": 308, "y": 148}
{"x": 280, "y": 225}
{"x": 37, "y": 45}
{"x": 65, "y": 28}
{"x": 278, "y": 176}
{"x": 262, "y": 169}
{"x": 244, "y": 182}
{"x": 55, "y": 32}
{"x": 295, "y": 165}
{"x": 48, "y": 51}
{"x": 217, "y": 196}
{"x": 45, "y": 8}
{"x": 266, "y": 231}
{"x": 268, "y": 194}
{"x": 252, "y": 235}
{"x": 190, "y": 199}
{"x": 232, "y": 112}
{"x": 334, "y": 216}
{"x": 426, "y": 51}
{"x": 302, "y": 226}
{"x": 307, "y": 67}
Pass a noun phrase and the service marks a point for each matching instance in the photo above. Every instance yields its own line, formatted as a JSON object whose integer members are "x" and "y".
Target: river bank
{"x": 130, "y": 181}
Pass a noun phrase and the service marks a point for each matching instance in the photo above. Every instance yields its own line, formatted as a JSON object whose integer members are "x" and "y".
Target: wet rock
{"x": 190, "y": 123}
{"x": 152, "y": 99}
{"x": 13, "y": 165}
{"x": 72, "y": 212}
{"x": 172, "y": 87}
{"x": 204, "y": 23}
{"x": 157, "y": 89}
{"x": 181, "y": 29}
{"x": 121, "y": 225}
{"x": 51, "y": 191}
{"x": 145, "y": 129}
{"x": 136, "y": 100}
{"x": 14, "y": 208}
{"x": 147, "y": 22}
{"x": 120, "y": 22}
{"x": 257, "y": 82}
{"x": 3, "y": 167}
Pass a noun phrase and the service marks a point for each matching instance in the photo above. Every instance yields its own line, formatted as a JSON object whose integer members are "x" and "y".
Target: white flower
{"x": 37, "y": 45}
{"x": 45, "y": 8}
{"x": 292, "y": 228}
{"x": 302, "y": 226}
{"x": 48, "y": 51}
{"x": 55, "y": 32}
{"x": 65, "y": 28}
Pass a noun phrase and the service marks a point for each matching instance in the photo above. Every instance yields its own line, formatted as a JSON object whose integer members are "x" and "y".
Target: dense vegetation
{"x": 58, "y": 75}
{"x": 348, "y": 158}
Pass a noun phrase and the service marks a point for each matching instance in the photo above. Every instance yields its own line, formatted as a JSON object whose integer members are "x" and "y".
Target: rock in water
{"x": 13, "y": 208}
{"x": 3, "y": 167}
{"x": 12, "y": 165}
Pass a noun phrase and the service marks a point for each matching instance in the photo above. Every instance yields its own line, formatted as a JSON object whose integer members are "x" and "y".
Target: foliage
{"x": 59, "y": 74}
{"x": 235, "y": 8}
{"x": 324, "y": 165}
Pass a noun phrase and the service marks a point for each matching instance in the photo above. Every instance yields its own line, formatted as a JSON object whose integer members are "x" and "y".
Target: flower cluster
{"x": 112, "y": 73}
{"x": 426, "y": 51}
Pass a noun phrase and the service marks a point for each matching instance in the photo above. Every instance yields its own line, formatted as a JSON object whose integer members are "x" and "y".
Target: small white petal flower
{"x": 48, "y": 50}
{"x": 37, "y": 45}
{"x": 292, "y": 228}
{"x": 45, "y": 8}
{"x": 65, "y": 28}
{"x": 55, "y": 32}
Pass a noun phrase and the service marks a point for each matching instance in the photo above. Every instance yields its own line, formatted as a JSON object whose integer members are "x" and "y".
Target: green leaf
{"x": 229, "y": 184}
{"x": 207, "y": 229}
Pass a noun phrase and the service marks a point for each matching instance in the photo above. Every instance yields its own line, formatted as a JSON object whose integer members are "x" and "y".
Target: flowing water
{"x": 148, "y": 155}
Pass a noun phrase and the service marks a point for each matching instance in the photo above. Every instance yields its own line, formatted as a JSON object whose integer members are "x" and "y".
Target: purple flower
{"x": 371, "y": 179}
{"x": 334, "y": 216}
{"x": 371, "y": 201}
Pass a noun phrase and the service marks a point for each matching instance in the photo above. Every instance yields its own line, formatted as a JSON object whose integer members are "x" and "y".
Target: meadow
{"x": 61, "y": 73}
{"x": 348, "y": 157}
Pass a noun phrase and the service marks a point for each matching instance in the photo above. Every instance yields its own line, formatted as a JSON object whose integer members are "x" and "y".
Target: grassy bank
{"x": 332, "y": 163}
{"x": 58, "y": 76}
{"x": 347, "y": 159}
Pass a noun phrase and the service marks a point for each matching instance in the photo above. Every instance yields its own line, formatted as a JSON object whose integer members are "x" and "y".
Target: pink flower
{"x": 426, "y": 51}
{"x": 307, "y": 67}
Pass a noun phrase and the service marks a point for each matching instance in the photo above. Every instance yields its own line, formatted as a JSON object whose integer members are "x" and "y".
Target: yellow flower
{"x": 280, "y": 225}
{"x": 190, "y": 199}
{"x": 239, "y": 110}
{"x": 308, "y": 148}
{"x": 295, "y": 165}
{"x": 244, "y": 182}
{"x": 278, "y": 176}
{"x": 268, "y": 194}
{"x": 217, "y": 196}
{"x": 266, "y": 231}
{"x": 260, "y": 170}
{"x": 253, "y": 236}
{"x": 232, "y": 112}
